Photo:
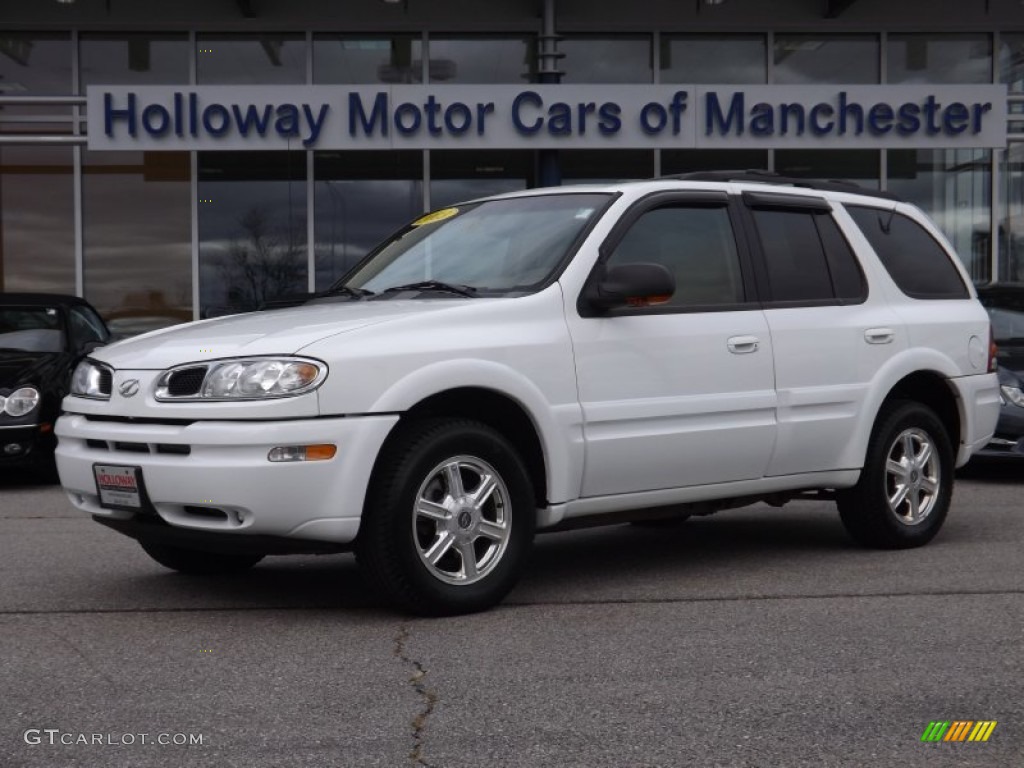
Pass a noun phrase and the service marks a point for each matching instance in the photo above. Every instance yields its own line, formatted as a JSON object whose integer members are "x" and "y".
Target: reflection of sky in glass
{"x": 940, "y": 59}
{"x": 606, "y": 60}
{"x": 811, "y": 59}
{"x": 710, "y": 60}
{"x": 264, "y": 222}
{"x": 37, "y": 241}
{"x": 1011, "y": 243}
{"x": 351, "y": 217}
{"x": 493, "y": 60}
{"x": 953, "y": 187}
{"x": 128, "y": 59}
{"x": 260, "y": 59}
{"x": 396, "y": 59}
{"x": 137, "y": 234}
{"x": 35, "y": 64}
{"x": 1011, "y": 61}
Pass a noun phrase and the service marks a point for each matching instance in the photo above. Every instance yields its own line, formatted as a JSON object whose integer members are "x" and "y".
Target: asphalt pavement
{"x": 755, "y": 637}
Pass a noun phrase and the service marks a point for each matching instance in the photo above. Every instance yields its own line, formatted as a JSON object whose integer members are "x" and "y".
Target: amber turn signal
{"x": 319, "y": 452}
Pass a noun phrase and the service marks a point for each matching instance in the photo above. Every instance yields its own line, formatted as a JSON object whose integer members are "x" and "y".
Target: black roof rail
{"x": 770, "y": 177}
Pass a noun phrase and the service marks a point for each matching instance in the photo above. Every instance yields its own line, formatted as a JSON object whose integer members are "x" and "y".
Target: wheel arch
{"x": 549, "y": 438}
{"x": 929, "y": 385}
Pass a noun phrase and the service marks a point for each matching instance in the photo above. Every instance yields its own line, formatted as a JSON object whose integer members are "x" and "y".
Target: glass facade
{"x": 34, "y": 63}
{"x": 150, "y": 234}
{"x": 457, "y": 175}
{"x": 594, "y": 59}
{"x": 860, "y": 166}
{"x": 37, "y": 215}
{"x": 939, "y": 59}
{"x": 834, "y": 59}
{"x": 264, "y": 59}
{"x": 137, "y": 238}
{"x": 733, "y": 59}
{"x": 482, "y": 60}
{"x": 385, "y": 59}
{"x": 252, "y": 229}
{"x": 360, "y": 198}
{"x": 133, "y": 59}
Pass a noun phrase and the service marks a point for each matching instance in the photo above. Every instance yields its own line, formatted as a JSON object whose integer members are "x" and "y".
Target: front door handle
{"x": 879, "y": 335}
{"x": 743, "y": 345}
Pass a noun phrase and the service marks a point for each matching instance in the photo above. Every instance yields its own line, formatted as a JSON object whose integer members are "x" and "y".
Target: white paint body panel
{"x": 666, "y": 404}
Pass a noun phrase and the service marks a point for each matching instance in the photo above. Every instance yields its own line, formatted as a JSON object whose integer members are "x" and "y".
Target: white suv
{"x": 548, "y": 359}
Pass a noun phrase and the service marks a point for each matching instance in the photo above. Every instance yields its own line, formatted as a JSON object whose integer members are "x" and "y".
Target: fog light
{"x": 12, "y": 448}
{"x": 320, "y": 452}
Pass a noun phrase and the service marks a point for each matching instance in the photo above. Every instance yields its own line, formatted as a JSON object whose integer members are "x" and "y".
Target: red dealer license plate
{"x": 119, "y": 487}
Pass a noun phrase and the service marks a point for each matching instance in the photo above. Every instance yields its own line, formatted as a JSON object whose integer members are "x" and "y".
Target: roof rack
{"x": 762, "y": 176}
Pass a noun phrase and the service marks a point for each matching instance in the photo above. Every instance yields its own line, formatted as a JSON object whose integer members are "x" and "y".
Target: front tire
{"x": 449, "y": 519}
{"x": 197, "y": 562}
{"x": 906, "y": 486}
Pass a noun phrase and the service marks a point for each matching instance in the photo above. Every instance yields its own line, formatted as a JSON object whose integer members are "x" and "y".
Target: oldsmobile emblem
{"x": 128, "y": 387}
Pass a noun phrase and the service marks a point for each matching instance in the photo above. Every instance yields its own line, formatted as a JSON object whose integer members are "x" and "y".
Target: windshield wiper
{"x": 433, "y": 285}
{"x": 355, "y": 293}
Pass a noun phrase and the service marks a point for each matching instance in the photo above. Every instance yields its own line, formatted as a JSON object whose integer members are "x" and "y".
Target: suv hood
{"x": 272, "y": 332}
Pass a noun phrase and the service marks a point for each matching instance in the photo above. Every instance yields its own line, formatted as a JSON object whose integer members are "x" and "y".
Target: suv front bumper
{"x": 226, "y": 484}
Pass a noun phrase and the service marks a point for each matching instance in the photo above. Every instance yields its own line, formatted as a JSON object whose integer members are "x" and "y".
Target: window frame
{"x": 809, "y": 205}
{"x": 673, "y": 199}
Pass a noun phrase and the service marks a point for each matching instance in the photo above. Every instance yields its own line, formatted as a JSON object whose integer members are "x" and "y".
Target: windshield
{"x": 31, "y": 329}
{"x": 495, "y": 247}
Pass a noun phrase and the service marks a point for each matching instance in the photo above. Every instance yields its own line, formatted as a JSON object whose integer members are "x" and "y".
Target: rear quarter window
{"x": 918, "y": 265}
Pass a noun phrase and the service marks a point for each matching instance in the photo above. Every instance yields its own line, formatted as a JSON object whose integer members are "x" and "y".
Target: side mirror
{"x": 637, "y": 285}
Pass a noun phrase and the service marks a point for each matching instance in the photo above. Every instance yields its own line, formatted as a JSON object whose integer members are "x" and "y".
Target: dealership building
{"x": 176, "y": 160}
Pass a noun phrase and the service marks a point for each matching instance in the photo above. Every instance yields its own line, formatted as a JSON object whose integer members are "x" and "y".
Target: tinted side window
{"x": 696, "y": 245}
{"x": 794, "y": 256}
{"x": 847, "y": 278}
{"x": 916, "y": 263}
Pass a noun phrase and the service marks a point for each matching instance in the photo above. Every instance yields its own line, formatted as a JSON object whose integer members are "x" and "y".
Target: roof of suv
{"x": 751, "y": 180}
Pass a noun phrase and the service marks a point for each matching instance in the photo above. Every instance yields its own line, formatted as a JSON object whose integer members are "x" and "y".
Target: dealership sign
{"x": 546, "y": 116}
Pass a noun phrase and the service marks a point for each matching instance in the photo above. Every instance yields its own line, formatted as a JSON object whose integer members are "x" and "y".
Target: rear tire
{"x": 449, "y": 518}
{"x": 906, "y": 486}
{"x": 197, "y": 562}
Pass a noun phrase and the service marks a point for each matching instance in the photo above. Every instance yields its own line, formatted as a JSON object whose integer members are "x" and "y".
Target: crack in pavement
{"x": 81, "y": 654}
{"x": 417, "y": 681}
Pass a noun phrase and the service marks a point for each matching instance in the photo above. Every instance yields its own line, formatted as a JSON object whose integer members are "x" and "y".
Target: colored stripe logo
{"x": 959, "y": 730}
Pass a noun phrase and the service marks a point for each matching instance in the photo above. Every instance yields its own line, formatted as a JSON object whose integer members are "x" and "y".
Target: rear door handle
{"x": 879, "y": 335}
{"x": 743, "y": 345}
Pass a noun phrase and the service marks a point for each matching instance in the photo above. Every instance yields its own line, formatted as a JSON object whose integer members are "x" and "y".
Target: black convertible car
{"x": 42, "y": 337}
{"x": 1005, "y": 305}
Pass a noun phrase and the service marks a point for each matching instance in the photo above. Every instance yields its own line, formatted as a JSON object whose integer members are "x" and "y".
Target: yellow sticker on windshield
{"x": 431, "y": 218}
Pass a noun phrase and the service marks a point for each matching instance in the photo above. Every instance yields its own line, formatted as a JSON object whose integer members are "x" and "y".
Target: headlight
{"x": 1013, "y": 394}
{"x": 20, "y": 402}
{"x": 243, "y": 379}
{"x": 91, "y": 380}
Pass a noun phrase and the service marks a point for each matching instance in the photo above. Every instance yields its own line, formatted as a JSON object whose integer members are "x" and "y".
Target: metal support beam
{"x": 833, "y": 8}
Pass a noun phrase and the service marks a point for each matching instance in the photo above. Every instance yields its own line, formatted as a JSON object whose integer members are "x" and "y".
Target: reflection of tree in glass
{"x": 266, "y": 261}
